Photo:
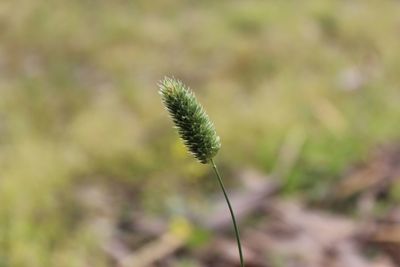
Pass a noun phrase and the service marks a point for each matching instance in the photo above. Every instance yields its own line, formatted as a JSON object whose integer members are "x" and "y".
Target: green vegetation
{"x": 306, "y": 89}
{"x": 197, "y": 133}
{"x": 194, "y": 126}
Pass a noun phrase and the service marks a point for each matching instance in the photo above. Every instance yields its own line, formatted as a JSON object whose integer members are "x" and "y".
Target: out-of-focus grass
{"x": 299, "y": 89}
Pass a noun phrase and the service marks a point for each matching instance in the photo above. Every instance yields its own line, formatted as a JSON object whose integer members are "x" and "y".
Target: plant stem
{"x": 231, "y": 211}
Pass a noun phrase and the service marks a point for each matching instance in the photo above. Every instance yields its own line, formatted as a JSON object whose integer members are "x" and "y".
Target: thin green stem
{"x": 231, "y": 211}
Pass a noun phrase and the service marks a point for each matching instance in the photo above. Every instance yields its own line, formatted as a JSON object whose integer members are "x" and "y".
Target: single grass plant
{"x": 197, "y": 132}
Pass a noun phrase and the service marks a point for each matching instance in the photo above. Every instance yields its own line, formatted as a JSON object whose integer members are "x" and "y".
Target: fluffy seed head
{"x": 194, "y": 127}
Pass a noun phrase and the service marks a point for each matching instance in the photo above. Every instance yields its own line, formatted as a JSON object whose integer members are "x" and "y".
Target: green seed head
{"x": 194, "y": 126}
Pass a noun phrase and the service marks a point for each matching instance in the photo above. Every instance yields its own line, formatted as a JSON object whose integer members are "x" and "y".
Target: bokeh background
{"x": 92, "y": 173}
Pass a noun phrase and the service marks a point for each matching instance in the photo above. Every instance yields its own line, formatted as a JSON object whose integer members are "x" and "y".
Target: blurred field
{"x": 297, "y": 89}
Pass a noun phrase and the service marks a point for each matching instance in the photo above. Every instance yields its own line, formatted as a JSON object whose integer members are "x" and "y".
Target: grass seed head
{"x": 194, "y": 126}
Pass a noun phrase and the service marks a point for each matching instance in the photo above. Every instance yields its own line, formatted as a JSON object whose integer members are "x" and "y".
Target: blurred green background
{"x": 297, "y": 89}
